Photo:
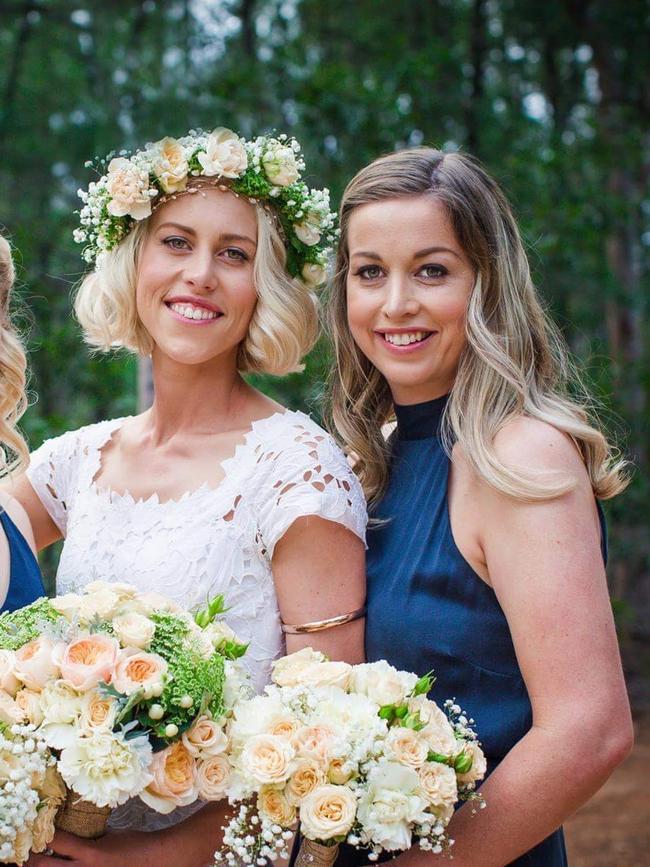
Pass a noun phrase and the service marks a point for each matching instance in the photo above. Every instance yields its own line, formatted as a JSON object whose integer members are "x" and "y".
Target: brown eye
{"x": 176, "y": 243}
{"x": 433, "y": 272}
{"x": 369, "y": 272}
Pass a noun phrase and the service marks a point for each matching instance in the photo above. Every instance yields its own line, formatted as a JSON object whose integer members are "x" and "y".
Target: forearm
{"x": 198, "y": 837}
{"x": 541, "y": 781}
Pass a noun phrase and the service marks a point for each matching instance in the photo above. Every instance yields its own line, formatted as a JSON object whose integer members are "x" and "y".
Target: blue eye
{"x": 433, "y": 272}
{"x": 236, "y": 254}
{"x": 369, "y": 272}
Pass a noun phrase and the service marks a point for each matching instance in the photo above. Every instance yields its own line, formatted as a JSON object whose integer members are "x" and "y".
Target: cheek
{"x": 360, "y": 312}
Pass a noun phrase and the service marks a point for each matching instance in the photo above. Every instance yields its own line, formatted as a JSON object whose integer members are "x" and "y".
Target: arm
{"x": 545, "y": 565}
{"x": 43, "y": 529}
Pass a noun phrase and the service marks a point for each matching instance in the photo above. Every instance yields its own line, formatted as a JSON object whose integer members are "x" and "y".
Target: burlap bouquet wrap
{"x": 82, "y": 818}
{"x": 313, "y": 854}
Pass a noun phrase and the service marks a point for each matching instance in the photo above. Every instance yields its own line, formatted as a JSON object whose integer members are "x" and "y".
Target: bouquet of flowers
{"x": 116, "y": 694}
{"x": 356, "y": 753}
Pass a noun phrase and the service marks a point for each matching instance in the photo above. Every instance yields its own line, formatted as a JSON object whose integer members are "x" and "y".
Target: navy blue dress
{"x": 25, "y": 582}
{"x": 428, "y": 609}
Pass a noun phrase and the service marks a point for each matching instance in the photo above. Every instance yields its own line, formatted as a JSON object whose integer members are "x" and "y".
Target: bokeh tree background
{"x": 553, "y": 96}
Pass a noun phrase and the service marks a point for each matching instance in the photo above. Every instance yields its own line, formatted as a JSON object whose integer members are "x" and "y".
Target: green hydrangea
{"x": 21, "y": 626}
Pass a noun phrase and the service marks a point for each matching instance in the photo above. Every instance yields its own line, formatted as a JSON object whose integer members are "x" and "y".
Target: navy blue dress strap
{"x": 25, "y": 582}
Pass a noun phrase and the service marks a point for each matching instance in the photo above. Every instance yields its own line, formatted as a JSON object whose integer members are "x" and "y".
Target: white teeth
{"x": 188, "y": 311}
{"x": 406, "y": 338}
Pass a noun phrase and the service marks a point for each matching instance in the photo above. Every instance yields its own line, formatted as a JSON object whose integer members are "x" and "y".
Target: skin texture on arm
{"x": 545, "y": 565}
{"x": 44, "y": 530}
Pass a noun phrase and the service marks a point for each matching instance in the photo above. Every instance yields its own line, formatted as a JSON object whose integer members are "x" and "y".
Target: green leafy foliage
{"x": 19, "y": 627}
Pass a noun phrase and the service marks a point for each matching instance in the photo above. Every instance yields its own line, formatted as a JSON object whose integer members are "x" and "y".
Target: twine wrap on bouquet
{"x": 313, "y": 854}
{"x": 82, "y": 818}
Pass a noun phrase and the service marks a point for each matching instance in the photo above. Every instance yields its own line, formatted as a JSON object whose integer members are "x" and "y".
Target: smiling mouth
{"x": 407, "y": 338}
{"x": 192, "y": 312}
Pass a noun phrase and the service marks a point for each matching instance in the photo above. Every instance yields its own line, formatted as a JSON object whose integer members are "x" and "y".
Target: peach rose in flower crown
{"x": 88, "y": 661}
{"x": 174, "y": 779}
{"x": 139, "y": 670}
{"x": 36, "y": 663}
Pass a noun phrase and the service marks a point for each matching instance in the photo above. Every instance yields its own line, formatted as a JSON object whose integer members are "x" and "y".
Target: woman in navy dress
{"x": 486, "y": 553}
{"x": 20, "y": 577}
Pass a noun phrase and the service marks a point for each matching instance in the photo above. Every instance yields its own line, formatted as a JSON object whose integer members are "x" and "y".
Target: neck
{"x": 193, "y": 398}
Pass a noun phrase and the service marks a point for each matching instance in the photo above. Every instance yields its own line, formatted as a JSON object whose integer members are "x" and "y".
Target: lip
{"x": 196, "y": 302}
{"x": 410, "y": 348}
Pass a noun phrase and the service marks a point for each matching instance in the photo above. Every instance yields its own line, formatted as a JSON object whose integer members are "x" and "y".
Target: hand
{"x": 114, "y": 849}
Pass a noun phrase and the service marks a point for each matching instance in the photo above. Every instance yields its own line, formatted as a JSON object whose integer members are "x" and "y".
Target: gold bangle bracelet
{"x": 318, "y": 625}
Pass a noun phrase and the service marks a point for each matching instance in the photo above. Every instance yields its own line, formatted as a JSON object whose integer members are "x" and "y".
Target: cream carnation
{"x": 35, "y": 663}
{"x": 8, "y": 680}
{"x": 88, "y": 661}
{"x": 134, "y": 671}
{"x": 391, "y": 804}
{"x": 205, "y": 738}
{"x": 327, "y": 812}
{"x": 273, "y": 805}
{"x": 225, "y": 155}
{"x": 170, "y": 165}
{"x": 268, "y": 759}
{"x": 438, "y": 783}
{"x": 280, "y": 165}
{"x": 405, "y": 746}
{"x": 174, "y": 781}
{"x": 134, "y": 630}
{"x": 128, "y": 187}
{"x": 382, "y": 683}
{"x": 212, "y": 778}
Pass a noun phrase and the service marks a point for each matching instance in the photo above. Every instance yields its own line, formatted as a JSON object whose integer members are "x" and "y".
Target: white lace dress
{"x": 211, "y": 540}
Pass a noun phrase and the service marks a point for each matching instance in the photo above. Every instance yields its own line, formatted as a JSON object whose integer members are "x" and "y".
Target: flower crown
{"x": 265, "y": 169}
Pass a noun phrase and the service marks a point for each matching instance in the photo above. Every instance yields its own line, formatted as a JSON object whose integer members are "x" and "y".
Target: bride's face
{"x": 408, "y": 286}
{"x": 195, "y": 293}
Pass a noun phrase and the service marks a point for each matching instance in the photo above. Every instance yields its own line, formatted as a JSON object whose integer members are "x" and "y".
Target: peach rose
{"x": 306, "y": 777}
{"x": 273, "y": 804}
{"x": 97, "y": 711}
{"x": 205, "y": 738}
{"x": 284, "y": 728}
{"x": 35, "y": 663}
{"x": 174, "y": 779}
{"x": 328, "y": 812}
{"x": 339, "y": 772}
{"x": 30, "y": 704}
{"x": 479, "y": 764}
{"x": 88, "y": 661}
{"x": 10, "y": 712}
{"x": 438, "y": 783}
{"x": 314, "y": 740}
{"x": 405, "y": 746}
{"x": 170, "y": 165}
{"x": 267, "y": 758}
{"x": 224, "y": 155}
{"x": 212, "y": 777}
{"x": 8, "y": 680}
{"x": 135, "y": 671}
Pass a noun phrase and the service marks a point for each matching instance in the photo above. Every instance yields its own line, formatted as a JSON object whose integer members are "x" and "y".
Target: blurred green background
{"x": 553, "y": 96}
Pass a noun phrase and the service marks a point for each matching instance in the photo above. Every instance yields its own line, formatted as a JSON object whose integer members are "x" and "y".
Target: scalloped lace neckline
{"x": 227, "y": 465}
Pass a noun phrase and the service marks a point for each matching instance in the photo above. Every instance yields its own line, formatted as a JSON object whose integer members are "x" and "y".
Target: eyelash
{"x": 171, "y": 243}
{"x": 441, "y": 272}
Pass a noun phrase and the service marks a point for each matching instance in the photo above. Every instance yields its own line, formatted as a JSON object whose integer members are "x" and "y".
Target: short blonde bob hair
{"x": 514, "y": 362}
{"x": 13, "y": 374}
{"x": 283, "y": 329}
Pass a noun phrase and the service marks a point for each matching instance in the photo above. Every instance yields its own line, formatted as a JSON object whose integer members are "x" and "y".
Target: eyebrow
{"x": 420, "y": 255}
{"x": 190, "y": 231}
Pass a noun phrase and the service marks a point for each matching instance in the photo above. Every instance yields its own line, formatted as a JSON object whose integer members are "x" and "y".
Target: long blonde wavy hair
{"x": 514, "y": 362}
{"x": 13, "y": 372}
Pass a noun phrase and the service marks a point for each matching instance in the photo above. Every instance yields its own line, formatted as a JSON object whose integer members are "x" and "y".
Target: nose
{"x": 400, "y": 299}
{"x": 201, "y": 272}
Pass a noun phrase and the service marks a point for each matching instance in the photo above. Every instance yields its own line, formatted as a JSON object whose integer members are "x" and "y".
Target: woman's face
{"x": 408, "y": 286}
{"x": 195, "y": 293}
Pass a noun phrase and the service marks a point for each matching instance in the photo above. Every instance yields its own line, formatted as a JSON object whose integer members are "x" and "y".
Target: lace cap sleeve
{"x": 51, "y": 472}
{"x": 307, "y": 474}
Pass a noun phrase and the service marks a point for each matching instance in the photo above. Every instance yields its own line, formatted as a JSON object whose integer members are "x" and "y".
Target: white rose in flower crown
{"x": 308, "y": 230}
{"x": 307, "y": 775}
{"x": 290, "y": 670}
{"x": 134, "y": 671}
{"x": 406, "y": 746}
{"x": 273, "y": 804}
{"x": 314, "y": 275}
{"x": 170, "y": 165}
{"x": 437, "y": 731}
{"x": 382, "y": 683}
{"x": 392, "y": 802}
{"x": 280, "y": 165}
{"x": 8, "y": 680}
{"x": 268, "y": 759}
{"x": 128, "y": 187}
{"x": 35, "y": 662}
{"x": 105, "y": 768}
{"x": 479, "y": 764}
{"x": 224, "y": 156}
{"x": 134, "y": 630}
{"x": 439, "y": 785}
{"x": 205, "y": 738}
{"x": 213, "y": 777}
{"x": 328, "y": 812}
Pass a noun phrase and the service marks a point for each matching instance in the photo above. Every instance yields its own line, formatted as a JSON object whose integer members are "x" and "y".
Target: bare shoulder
{"x": 532, "y": 444}
{"x": 19, "y": 516}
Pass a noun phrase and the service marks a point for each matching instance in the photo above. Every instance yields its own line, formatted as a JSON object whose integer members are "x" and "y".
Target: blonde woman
{"x": 487, "y": 561}
{"x": 216, "y": 488}
{"x": 20, "y": 577}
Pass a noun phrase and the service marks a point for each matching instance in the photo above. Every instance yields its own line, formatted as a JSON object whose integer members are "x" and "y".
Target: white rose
{"x": 439, "y": 785}
{"x": 280, "y": 166}
{"x": 170, "y": 165}
{"x": 123, "y": 590}
{"x": 213, "y": 777}
{"x": 68, "y": 605}
{"x": 128, "y": 187}
{"x": 391, "y": 804}
{"x": 8, "y": 680}
{"x": 134, "y": 630}
{"x": 289, "y": 670}
{"x": 479, "y": 764}
{"x": 314, "y": 275}
{"x": 218, "y": 631}
{"x": 268, "y": 759}
{"x": 308, "y": 232}
{"x": 101, "y": 604}
{"x": 382, "y": 683}
{"x": 205, "y": 738}
{"x": 224, "y": 156}
{"x": 151, "y": 601}
{"x": 437, "y": 731}
{"x": 405, "y": 746}
{"x": 254, "y": 716}
{"x": 327, "y": 812}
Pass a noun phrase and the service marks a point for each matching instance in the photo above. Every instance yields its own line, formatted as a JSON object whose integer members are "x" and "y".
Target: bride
{"x": 204, "y": 252}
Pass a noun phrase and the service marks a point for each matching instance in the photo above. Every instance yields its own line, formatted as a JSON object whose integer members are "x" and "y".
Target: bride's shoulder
{"x": 80, "y": 441}
{"x": 295, "y": 435}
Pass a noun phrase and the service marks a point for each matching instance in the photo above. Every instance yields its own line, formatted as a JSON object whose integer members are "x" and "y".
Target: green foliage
{"x": 19, "y": 627}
